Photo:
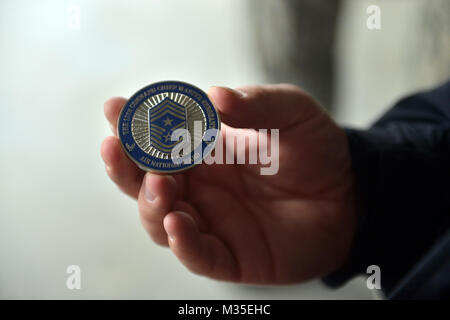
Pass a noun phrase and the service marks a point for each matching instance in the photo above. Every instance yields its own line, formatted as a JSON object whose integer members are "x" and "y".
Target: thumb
{"x": 266, "y": 106}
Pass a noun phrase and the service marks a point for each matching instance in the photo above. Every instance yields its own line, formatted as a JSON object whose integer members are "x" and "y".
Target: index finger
{"x": 112, "y": 109}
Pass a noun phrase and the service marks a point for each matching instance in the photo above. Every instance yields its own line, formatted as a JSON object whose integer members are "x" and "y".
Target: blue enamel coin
{"x": 168, "y": 127}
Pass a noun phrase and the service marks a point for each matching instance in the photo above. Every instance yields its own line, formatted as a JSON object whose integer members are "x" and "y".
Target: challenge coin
{"x": 168, "y": 127}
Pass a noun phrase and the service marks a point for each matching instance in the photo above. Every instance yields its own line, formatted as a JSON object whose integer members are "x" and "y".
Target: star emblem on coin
{"x": 168, "y": 121}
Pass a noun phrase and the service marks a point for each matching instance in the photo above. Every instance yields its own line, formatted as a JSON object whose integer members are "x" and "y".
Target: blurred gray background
{"x": 60, "y": 60}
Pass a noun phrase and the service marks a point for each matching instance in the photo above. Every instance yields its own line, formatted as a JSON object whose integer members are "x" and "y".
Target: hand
{"x": 228, "y": 222}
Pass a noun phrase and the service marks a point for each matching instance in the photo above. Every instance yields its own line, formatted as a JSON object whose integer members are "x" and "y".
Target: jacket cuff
{"x": 398, "y": 185}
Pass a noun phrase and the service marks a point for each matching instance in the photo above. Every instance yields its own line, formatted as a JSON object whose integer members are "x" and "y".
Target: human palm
{"x": 229, "y": 222}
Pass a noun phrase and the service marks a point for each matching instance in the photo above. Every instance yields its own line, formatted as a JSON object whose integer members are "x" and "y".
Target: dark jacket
{"x": 402, "y": 169}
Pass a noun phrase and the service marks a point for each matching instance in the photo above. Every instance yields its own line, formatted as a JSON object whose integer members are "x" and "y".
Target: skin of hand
{"x": 229, "y": 222}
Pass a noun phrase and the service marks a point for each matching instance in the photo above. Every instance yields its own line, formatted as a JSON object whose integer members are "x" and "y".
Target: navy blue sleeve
{"x": 402, "y": 170}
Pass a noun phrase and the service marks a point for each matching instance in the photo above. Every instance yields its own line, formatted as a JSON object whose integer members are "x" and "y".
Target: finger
{"x": 201, "y": 253}
{"x": 269, "y": 106}
{"x": 120, "y": 168}
{"x": 156, "y": 199}
{"x": 112, "y": 108}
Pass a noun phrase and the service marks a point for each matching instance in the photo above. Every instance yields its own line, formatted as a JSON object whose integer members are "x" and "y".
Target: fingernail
{"x": 147, "y": 192}
{"x": 171, "y": 238}
{"x": 238, "y": 93}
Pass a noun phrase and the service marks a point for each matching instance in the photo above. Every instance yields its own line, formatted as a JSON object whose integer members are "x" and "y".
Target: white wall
{"x": 375, "y": 68}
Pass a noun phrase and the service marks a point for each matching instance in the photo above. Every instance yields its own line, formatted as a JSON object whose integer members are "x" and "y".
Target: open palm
{"x": 229, "y": 222}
